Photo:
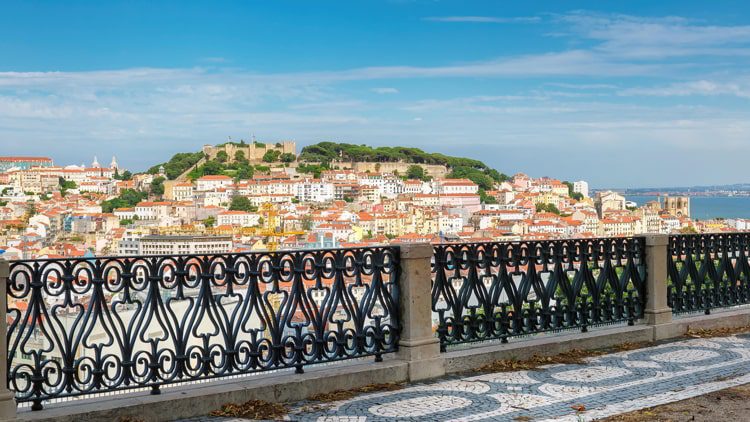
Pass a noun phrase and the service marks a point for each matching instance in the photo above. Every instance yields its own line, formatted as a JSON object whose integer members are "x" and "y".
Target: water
{"x": 708, "y": 207}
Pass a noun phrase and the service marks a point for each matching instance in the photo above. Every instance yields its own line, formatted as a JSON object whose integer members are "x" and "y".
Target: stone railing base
{"x": 196, "y": 400}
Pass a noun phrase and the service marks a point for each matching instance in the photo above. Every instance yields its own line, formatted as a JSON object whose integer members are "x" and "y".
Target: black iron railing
{"x": 708, "y": 271}
{"x": 484, "y": 291}
{"x": 86, "y": 326}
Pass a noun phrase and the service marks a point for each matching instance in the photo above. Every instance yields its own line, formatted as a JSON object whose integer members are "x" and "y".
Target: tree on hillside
{"x": 271, "y": 156}
{"x": 415, "y": 172}
{"x": 128, "y": 198}
{"x": 222, "y": 156}
{"x": 287, "y": 157}
{"x": 66, "y": 185}
{"x": 178, "y": 164}
{"x": 487, "y": 199}
{"x": 241, "y": 203}
{"x": 239, "y": 156}
{"x": 575, "y": 195}
{"x": 547, "y": 208}
{"x": 125, "y": 175}
{"x": 157, "y": 186}
{"x": 244, "y": 172}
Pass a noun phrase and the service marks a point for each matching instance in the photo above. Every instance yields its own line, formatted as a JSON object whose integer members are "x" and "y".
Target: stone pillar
{"x": 7, "y": 398}
{"x": 657, "y": 312}
{"x": 418, "y": 345}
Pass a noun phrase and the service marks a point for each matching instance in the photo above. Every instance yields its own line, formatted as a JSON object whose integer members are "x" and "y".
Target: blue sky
{"x": 637, "y": 93}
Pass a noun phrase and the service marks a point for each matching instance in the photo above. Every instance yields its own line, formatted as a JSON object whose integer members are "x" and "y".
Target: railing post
{"x": 657, "y": 312}
{"x": 418, "y": 344}
{"x": 7, "y": 398}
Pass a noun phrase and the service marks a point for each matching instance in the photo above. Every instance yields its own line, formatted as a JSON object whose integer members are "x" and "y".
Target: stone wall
{"x": 434, "y": 170}
{"x": 253, "y": 152}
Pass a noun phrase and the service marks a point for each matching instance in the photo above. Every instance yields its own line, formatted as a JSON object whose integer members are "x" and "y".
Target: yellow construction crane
{"x": 272, "y": 227}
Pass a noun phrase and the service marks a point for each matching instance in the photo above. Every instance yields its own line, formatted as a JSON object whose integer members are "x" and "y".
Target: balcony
{"x": 179, "y": 335}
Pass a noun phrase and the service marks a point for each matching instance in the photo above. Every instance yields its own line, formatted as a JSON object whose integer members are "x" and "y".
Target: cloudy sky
{"x": 622, "y": 94}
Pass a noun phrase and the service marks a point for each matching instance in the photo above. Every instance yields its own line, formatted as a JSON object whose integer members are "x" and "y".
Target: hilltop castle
{"x": 253, "y": 151}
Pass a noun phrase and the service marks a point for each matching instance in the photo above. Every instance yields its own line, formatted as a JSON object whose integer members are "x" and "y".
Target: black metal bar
{"x": 497, "y": 290}
{"x": 708, "y": 271}
{"x": 92, "y": 325}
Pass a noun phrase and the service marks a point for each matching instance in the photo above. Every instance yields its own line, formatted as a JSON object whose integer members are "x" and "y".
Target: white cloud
{"x": 658, "y": 38}
{"x": 484, "y": 19}
{"x": 592, "y": 111}
{"x": 385, "y": 90}
{"x": 694, "y": 88}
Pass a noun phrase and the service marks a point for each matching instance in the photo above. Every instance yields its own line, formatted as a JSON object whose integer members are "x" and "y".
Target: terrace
{"x": 169, "y": 337}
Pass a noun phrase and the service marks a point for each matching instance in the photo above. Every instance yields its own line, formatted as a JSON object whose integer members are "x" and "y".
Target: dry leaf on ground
{"x": 252, "y": 409}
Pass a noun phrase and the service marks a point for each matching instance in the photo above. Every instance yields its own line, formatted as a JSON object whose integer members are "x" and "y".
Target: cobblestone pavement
{"x": 605, "y": 385}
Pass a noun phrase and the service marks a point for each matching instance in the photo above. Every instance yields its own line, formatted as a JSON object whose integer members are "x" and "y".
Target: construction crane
{"x": 272, "y": 227}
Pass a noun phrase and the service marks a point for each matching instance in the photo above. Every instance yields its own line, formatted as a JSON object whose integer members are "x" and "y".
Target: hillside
{"x": 318, "y": 157}
{"x": 477, "y": 171}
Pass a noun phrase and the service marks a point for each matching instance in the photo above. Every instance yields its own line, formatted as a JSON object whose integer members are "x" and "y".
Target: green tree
{"x": 287, "y": 157}
{"x": 178, "y": 164}
{"x": 125, "y": 175}
{"x": 126, "y": 222}
{"x": 271, "y": 156}
{"x": 128, "y": 198}
{"x": 575, "y": 195}
{"x": 210, "y": 221}
{"x": 415, "y": 171}
{"x": 244, "y": 172}
{"x": 65, "y": 185}
{"x": 239, "y": 156}
{"x": 157, "y": 186}
{"x": 222, "y": 156}
{"x": 242, "y": 203}
{"x": 547, "y": 208}
{"x": 485, "y": 198}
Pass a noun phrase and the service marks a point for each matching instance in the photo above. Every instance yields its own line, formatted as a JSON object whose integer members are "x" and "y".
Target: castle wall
{"x": 434, "y": 170}
{"x": 252, "y": 152}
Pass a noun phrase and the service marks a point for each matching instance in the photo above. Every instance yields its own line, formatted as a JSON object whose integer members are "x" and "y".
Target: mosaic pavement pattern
{"x": 605, "y": 385}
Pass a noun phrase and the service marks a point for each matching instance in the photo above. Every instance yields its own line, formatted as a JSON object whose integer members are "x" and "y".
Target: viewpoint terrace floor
{"x": 605, "y": 385}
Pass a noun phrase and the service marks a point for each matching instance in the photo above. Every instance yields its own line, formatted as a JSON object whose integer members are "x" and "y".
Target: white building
{"x": 209, "y": 183}
{"x": 313, "y": 190}
{"x": 152, "y": 211}
{"x": 238, "y": 218}
{"x": 183, "y": 245}
{"x": 581, "y": 187}
{"x": 455, "y": 186}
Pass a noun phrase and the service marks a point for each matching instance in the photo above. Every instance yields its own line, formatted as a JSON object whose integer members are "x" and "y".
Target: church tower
{"x": 113, "y": 165}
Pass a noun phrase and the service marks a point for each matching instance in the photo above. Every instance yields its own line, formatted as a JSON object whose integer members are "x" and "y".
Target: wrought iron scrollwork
{"x": 708, "y": 271}
{"x": 94, "y": 325}
{"x": 484, "y": 291}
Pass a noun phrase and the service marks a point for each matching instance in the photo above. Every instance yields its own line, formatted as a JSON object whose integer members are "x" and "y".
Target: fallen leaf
{"x": 578, "y": 407}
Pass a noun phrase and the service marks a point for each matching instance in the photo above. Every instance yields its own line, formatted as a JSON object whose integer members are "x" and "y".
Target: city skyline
{"x": 622, "y": 96}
